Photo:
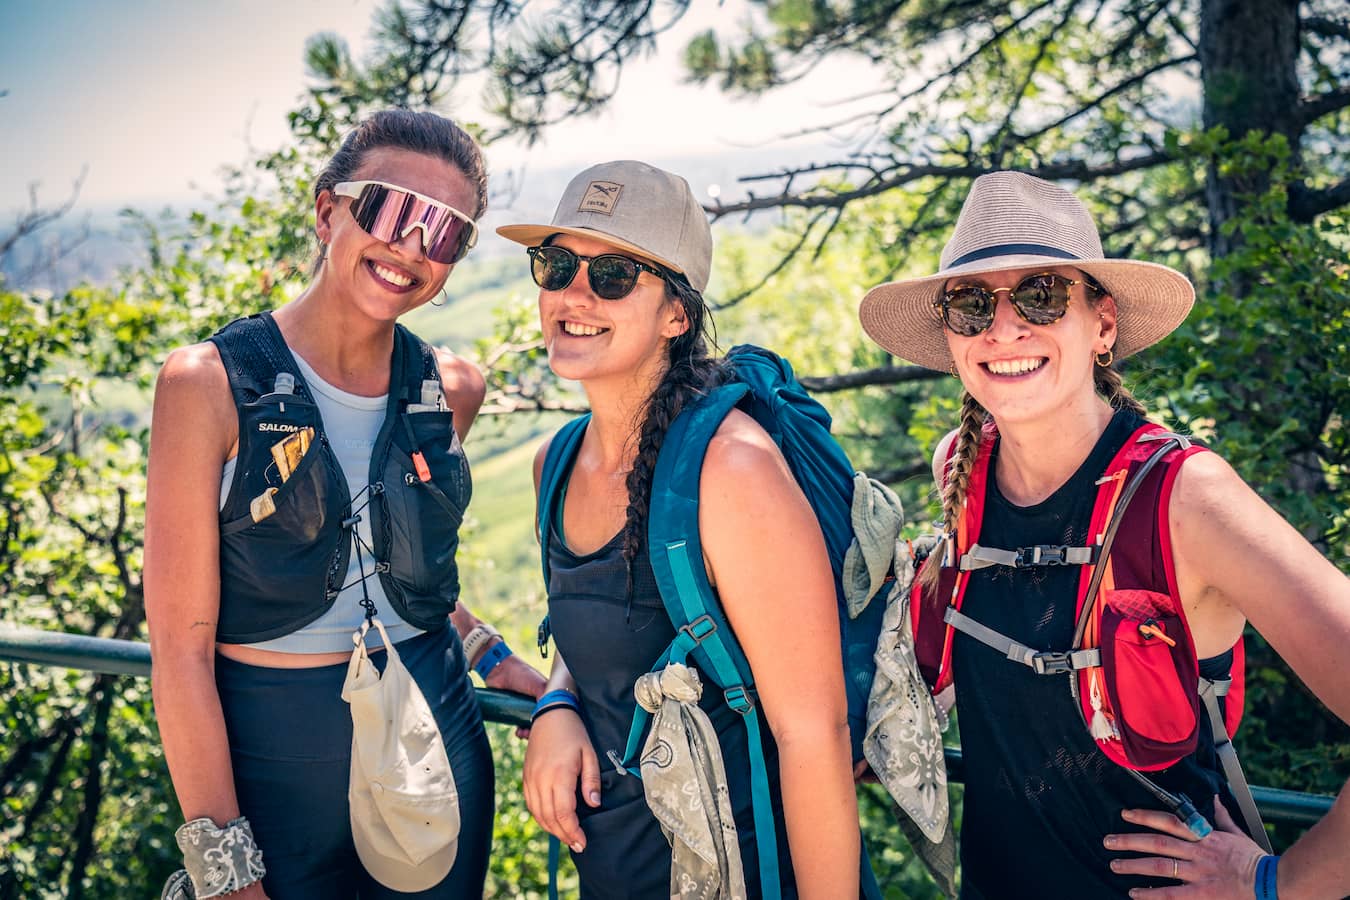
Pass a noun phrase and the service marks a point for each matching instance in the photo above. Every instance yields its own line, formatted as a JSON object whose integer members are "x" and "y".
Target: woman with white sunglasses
{"x": 306, "y": 477}
{"x": 1093, "y": 764}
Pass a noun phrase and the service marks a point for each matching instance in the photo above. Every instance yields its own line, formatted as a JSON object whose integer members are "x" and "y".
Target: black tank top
{"x": 1039, "y": 795}
{"x": 608, "y": 642}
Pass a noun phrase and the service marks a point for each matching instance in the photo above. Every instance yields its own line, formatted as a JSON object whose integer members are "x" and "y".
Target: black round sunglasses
{"x": 1041, "y": 299}
{"x": 611, "y": 275}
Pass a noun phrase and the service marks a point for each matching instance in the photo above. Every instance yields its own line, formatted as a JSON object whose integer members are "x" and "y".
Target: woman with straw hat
{"x": 1061, "y": 798}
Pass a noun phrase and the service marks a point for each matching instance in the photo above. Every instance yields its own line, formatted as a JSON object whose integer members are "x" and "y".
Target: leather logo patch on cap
{"x": 600, "y": 197}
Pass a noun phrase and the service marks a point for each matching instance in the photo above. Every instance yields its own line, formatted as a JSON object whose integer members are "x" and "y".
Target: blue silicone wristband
{"x": 555, "y": 700}
{"x": 1267, "y": 877}
{"x": 491, "y": 657}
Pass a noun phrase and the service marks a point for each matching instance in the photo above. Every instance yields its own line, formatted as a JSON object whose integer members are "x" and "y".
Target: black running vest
{"x": 282, "y": 572}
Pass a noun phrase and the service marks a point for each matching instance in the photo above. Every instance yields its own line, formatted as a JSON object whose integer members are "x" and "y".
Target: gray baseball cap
{"x": 647, "y": 211}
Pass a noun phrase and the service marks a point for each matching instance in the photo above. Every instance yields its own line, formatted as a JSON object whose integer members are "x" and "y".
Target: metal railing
{"x": 115, "y": 657}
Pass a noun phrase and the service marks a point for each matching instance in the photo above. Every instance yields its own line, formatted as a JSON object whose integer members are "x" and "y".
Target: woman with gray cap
{"x": 621, "y": 269}
{"x": 1087, "y": 549}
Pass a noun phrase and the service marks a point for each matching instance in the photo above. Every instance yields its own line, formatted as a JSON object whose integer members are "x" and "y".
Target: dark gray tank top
{"x": 608, "y": 641}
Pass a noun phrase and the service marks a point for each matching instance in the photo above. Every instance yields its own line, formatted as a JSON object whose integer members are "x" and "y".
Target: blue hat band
{"x": 1012, "y": 250}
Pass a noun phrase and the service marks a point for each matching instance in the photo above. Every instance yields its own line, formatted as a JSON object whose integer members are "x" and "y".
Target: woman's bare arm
{"x": 193, "y": 431}
{"x": 768, "y": 559}
{"x": 1237, "y": 559}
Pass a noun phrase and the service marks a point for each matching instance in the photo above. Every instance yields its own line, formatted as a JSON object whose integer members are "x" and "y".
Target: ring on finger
{"x": 1175, "y": 868}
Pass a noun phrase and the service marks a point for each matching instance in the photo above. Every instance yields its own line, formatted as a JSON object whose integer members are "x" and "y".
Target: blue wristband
{"x": 555, "y": 700}
{"x": 1267, "y": 869}
{"x": 490, "y": 659}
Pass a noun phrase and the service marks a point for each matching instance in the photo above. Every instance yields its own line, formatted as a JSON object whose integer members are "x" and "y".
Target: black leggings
{"x": 290, "y": 744}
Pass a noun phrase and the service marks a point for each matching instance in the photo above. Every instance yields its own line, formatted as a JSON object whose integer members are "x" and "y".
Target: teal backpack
{"x": 762, "y": 385}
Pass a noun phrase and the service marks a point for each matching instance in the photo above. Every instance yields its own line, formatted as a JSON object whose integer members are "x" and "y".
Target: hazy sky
{"x": 153, "y": 96}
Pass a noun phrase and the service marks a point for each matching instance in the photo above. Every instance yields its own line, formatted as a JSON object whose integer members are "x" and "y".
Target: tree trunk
{"x": 1249, "y": 53}
{"x": 1248, "y": 58}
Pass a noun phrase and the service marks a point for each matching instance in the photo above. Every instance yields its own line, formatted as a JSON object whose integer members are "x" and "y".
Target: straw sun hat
{"x": 1011, "y": 221}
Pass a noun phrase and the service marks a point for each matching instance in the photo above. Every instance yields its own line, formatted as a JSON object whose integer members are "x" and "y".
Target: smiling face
{"x": 590, "y": 339}
{"x": 1022, "y": 372}
{"x": 384, "y": 280}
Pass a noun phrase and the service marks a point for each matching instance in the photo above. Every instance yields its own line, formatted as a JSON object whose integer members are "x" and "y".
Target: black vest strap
{"x": 254, "y": 353}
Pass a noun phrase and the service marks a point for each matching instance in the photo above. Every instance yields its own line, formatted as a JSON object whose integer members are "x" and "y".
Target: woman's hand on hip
{"x": 558, "y": 756}
{"x": 1220, "y": 865}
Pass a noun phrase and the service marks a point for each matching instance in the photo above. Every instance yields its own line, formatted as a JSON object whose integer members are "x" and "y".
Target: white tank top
{"x": 351, "y": 423}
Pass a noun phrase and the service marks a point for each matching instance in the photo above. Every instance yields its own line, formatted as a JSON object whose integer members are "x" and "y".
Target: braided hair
{"x": 958, "y": 469}
{"x": 691, "y": 372}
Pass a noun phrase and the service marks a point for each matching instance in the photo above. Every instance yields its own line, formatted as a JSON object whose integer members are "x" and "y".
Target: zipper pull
{"x": 420, "y": 463}
{"x": 1151, "y": 628}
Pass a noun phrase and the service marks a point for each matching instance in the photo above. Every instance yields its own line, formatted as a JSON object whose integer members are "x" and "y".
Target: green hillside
{"x": 499, "y": 556}
{"x": 476, "y": 289}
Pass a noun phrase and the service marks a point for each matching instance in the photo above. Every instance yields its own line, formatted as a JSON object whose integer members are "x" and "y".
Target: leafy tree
{"x": 1209, "y": 133}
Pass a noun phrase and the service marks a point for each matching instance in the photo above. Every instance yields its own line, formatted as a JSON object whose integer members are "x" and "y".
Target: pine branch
{"x": 1075, "y": 170}
{"x": 1327, "y": 27}
{"x": 826, "y": 384}
{"x": 1306, "y": 204}
{"x": 1313, "y": 108}
{"x": 1097, "y": 101}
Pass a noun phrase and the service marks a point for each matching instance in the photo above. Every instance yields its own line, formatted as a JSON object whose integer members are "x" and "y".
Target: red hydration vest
{"x": 1133, "y": 669}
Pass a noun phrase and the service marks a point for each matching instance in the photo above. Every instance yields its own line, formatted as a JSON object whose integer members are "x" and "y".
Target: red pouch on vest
{"x": 1151, "y": 679}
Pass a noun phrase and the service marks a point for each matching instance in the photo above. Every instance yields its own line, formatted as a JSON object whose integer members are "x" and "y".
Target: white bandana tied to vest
{"x": 685, "y": 782}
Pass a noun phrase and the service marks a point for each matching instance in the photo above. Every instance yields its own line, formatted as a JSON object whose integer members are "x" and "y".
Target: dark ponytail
{"x": 692, "y": 372}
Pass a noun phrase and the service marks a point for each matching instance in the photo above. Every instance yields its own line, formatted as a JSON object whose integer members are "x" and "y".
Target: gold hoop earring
{"x": 1110, "y": 357}
{"x": 951, "y": 369}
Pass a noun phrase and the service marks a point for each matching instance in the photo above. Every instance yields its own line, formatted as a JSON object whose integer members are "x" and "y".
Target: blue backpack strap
{"x": 562, "y": 452}
{"x": 554, "y": 859}
{"x": 676, "y": 552}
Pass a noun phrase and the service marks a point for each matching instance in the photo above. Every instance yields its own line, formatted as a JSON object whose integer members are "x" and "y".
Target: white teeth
{"x": 1014, "y": 366}
{"x": 578, "y": 329}
{"x": 391, "y": 276}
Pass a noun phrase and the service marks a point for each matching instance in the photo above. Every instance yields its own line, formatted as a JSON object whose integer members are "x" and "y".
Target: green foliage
{"x": 81, "y": 766}
{"x": 1262, "y": 359}
{"x": 1072, "y": 90}
{"x": 1259, "y": 370}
